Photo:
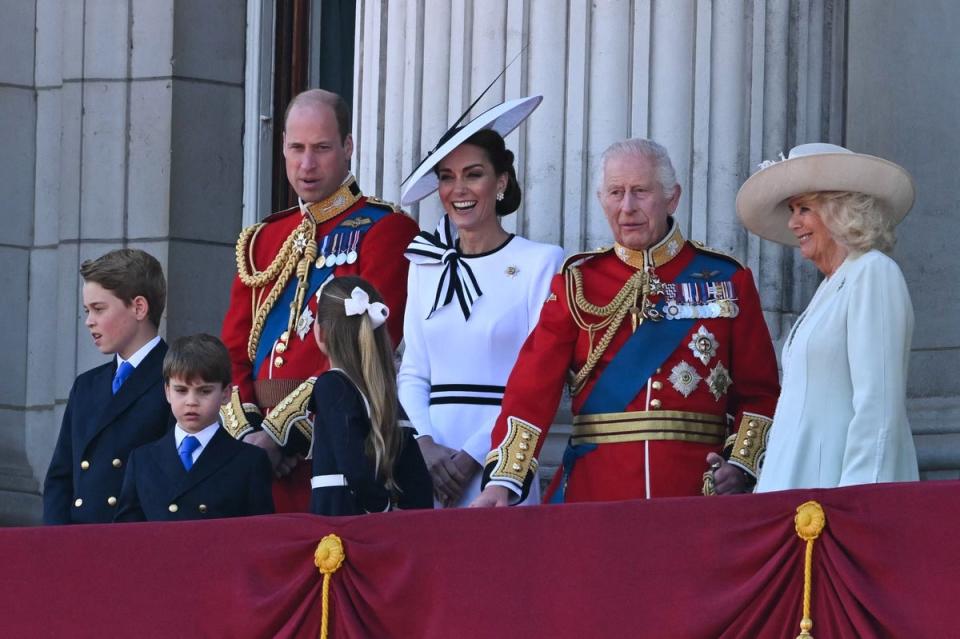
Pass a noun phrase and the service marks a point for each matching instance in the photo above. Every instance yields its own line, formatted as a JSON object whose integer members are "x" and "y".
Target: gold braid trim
{"x": 613, "y": 313}
{"x": 751, "y": 443}
{"x": 233, "y": 415}
{"x": 514, "y": 457}
{"x": 296, "y": 253}
{"x": 290, "y": 413}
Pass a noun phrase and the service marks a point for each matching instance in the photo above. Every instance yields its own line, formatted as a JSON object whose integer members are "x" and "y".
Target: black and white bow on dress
{"x": 457, "y": 280}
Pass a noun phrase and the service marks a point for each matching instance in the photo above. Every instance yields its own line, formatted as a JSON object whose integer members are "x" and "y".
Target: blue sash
{"x": 277, "y": 318}
{"x": 636, "y": 361}
{"x": 645, "y": 350}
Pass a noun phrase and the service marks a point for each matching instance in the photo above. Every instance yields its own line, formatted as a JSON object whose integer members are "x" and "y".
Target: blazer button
{"x": 84, "y": 465}
{"x": 654, "y": 403}
{"x": 202, "y": 508}
{"x": 173, "y": 508}
{"x": 111, "y": 501}
{"x": 78, "y": 502}
{"x": 117, "y": 463}
{"x": 278, "y": 361}
{"x": 657, "y": 385}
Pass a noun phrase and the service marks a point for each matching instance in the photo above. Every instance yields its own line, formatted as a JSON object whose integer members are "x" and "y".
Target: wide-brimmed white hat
{"x": 810, "y": 168}
{"x": 503, "y": 119}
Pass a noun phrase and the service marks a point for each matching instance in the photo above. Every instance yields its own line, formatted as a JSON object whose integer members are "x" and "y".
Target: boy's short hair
{"x": 129, "y": 273}
{"x": 198, "y": 356}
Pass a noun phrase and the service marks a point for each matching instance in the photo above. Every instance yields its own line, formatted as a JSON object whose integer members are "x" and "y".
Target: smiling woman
{"x": 458, "y": 356}
{"x": 841, "y": 418}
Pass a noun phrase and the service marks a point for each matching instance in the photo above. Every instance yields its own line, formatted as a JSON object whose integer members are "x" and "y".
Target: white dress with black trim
{"x": 454, "y": 369}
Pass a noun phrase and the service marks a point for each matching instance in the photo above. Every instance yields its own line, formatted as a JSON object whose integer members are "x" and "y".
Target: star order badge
{"x": 719, "y": 380}
{"x": 304, "y": 322}
{"x": 703, "y": 345}
{"x": 684, "y": 378}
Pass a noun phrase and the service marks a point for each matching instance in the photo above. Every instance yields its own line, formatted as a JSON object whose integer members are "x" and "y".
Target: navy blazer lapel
{"x": 142, "y": 379}
{"x": 169, "y": 460}
{"x": 219, "y": 450}
{"x": 97, "y": 396}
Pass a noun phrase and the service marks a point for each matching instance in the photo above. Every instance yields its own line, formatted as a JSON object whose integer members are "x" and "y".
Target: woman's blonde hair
{"x": 366, "y": 355}
{"x": 856, "y": 220}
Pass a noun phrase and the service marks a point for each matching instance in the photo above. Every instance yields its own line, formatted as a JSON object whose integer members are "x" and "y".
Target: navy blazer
{"x": 229, "y": 479}
{"x": 340, "y": 429}
{"x": 98, "y": 431}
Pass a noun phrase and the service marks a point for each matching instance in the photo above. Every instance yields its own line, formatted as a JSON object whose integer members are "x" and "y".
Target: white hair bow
{"x": 359, "y": 303}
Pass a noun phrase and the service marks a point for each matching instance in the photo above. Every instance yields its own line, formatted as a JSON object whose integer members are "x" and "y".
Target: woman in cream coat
{"x": 841, "y": 418}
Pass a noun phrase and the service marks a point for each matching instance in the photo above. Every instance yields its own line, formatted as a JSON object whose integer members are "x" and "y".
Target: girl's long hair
{"x": 366, "y": 355}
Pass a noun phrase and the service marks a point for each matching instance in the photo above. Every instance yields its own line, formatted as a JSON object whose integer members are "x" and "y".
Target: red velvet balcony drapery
{"x": 887, "y": 565}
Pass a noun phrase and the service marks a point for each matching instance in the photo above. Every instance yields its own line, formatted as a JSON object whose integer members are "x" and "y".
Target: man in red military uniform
{"x": 664, "y": 347}
{"x": 282, "y": 263}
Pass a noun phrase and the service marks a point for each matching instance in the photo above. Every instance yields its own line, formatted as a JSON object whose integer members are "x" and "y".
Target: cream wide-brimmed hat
{"x": 503, "y": 119}
{"x": 817, "y": 167}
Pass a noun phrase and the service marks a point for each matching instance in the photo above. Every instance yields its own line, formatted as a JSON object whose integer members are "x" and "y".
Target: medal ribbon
{"x": 276, "y": 321}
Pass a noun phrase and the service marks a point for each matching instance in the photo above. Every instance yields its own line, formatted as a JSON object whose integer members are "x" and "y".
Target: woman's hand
{"x": 492, "y": 497}
{"x": 448, "y": 478}
{"x": 727, "y": 478}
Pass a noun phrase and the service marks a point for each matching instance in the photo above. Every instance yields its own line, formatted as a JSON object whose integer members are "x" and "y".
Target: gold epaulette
{"x": 576, "y": 258}
{"x": 751, "y": 443}
{"x": 291, "y": 413}
{"x": 514, "y": 458}
{"x": 375, "y": 201}
{"x": 233, "y": 415}
{"x": 700, "y": 246}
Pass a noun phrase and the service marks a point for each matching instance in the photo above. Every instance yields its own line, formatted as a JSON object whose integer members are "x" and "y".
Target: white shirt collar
{"x": 141, "y": 354}
{"x": 204, "y": 437}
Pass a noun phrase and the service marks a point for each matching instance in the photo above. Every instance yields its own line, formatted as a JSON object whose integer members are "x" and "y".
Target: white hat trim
{"x": 503, "y": 119}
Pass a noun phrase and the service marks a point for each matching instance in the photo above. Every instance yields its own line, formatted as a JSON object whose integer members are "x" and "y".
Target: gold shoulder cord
{"x": 296, "y": 253}
{"x": 613, "y": 315}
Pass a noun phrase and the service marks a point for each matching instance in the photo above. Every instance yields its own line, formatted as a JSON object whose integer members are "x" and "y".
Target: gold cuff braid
{"x": 233, "y": 415}
{"x": 514, "y": 457}
{"x": 751, "y": 443}
{"x": 291, "y": 413}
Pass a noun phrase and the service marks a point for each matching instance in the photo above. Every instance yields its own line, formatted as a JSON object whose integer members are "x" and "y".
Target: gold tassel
{"x": 328, "y": 557}
{"x": 809, "y": 522}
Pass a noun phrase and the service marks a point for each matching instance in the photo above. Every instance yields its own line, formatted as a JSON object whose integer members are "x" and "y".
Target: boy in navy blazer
{"x": 198, "y": 470}
{"x": 115, "y": 407}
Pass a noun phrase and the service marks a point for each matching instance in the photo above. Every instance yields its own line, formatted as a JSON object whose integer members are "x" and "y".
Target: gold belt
{"x": 636, "y": 426}
{"x": 270, "y": 392}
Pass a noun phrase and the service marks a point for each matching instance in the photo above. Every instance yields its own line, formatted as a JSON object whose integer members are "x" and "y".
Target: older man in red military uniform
{"x": 664, "y": 347}
{"x": 282, "y": 263}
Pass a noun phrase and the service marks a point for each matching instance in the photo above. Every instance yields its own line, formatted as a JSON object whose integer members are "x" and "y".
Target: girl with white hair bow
{"x": 363, "y": 460}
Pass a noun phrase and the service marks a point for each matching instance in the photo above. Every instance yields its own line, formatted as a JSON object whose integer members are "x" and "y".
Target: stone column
{"x": 123, "y": 122}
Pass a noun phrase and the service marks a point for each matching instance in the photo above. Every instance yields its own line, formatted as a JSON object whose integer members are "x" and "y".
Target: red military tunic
{"x": 295, "y": 356}
{"x": 720, "y": 378}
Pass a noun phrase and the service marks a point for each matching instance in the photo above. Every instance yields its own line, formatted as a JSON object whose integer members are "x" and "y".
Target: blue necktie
{"x": 123, "y": 372}
{"x": 187, "y": 446}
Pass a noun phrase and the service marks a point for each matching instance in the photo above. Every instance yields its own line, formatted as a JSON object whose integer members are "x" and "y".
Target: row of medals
{"x": 342, "y": 249}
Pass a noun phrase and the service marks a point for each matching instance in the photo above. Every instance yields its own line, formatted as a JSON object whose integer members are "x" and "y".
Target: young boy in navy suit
{"x": 115, "y": 407}
{"x": 198, "y": 470}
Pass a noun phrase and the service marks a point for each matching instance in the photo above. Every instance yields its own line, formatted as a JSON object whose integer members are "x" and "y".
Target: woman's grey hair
{"x": 639, "y": 147}
{"x": 858, "y": 221}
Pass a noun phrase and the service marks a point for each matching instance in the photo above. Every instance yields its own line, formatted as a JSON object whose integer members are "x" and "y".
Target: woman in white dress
{"x": 841, "y": 418}
{"x": 474, "y": 294}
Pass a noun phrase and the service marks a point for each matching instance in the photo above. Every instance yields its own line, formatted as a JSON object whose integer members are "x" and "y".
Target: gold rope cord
{"x": 288, "y": 259}
{"x": 809, "y": 522}
{"x": 612, "y": 313}
{"x": 328, "y": 557}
